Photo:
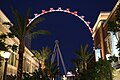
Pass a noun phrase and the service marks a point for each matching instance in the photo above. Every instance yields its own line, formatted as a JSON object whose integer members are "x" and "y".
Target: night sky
{"x": 68, "y": 29}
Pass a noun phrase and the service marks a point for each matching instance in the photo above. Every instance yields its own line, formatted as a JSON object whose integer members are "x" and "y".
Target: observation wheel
{"x": 59, "y": 9}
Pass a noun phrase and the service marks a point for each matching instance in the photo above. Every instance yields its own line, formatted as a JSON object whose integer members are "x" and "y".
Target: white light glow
{"x": 70, "y": 74}
{"x": 114, "y": 43}
{"x": 97, "y": 54}
{"x": 7, "y": 55}
{"x": 107, "y": 56}
{"x": 64, "y": 78}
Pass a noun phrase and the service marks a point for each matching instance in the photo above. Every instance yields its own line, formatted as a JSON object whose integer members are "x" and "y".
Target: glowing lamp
{"x": 51, "y": 8}
{"x": 35, "y": 14}
{"x": 75, "y": 12}
{"x": 59, "y": 8}
{"x": 88, "y": 22}
{"x": 43, "y": 11}
{"x": 29, "y": 20}
{"x": 82, "y": 17}
{"x": 68, "y": 9}
{"x": 7, "y": 55}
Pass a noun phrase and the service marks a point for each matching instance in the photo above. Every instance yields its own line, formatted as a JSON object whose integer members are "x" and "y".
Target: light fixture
{"x": 6, "y": 56}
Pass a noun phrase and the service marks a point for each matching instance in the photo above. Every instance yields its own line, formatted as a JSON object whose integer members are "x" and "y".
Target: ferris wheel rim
{"x": 67, "y": 10}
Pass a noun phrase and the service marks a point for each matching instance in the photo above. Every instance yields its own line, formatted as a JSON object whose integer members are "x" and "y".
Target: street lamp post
{"x": 6, "y": 56}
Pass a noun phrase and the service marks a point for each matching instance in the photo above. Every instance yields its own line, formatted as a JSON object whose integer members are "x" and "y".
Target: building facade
{"x": 30, "y": 63}
{"x": 99, "y": 34}
{"x": 105, "y": 41}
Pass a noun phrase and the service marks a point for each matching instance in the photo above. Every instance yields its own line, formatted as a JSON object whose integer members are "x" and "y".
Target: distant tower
{"x": 57, "y": 53}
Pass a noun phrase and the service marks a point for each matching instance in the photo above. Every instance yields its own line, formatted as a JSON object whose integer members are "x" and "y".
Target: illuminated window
{"x": 27, "y": 67}
{"x": 24, "y": 63}
{"x": 12, "y": 60}
{"x": 33, "y": 68}
{"x": 109, "y": 44}
{"x": 97, "y": 54}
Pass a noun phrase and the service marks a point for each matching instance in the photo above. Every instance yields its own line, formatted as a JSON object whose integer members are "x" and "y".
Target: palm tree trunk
{"x": 42, "y": 65}
{"x": 84, "y": 66}
{"x": 20, "y": 60}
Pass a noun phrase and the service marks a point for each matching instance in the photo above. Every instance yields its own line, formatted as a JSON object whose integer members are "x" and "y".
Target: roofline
{"x": 99, "y": 21}
{"x": 4, "y": 16}
{"x": 100, "y": 18}
{"x": 112, "y": 12}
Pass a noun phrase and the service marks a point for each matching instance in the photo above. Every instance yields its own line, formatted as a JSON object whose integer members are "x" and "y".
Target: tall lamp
{"x": 6, "y": 56}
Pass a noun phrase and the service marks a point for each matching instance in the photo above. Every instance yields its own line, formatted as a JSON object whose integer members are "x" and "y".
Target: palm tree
{"x": 51, "y": 69}
{"x": 42, "y": 55}
{"x": 83, "y": 56}
{"x": 48, "y": 69}
{"x": 21, "y": 29}
{"x": 77, "y": 63}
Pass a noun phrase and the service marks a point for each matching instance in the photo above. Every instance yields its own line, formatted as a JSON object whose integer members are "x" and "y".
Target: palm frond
{"x": 27, "y": 17}
{"x": 35, "y": 22}
{"x": 85, "y": 48}
{"x": 16, "y": 32}
{"x": 81, "y": 51}
{"x": 39, "y": 32}
{"x": 32, "y": 25}
{"x": 36, "y": 53}
{"x": 26, "y": 28}
{"x": 45, "y": 52}
{"x": 42, "y": 54}
{"x": 88, "y": 56}
{"x": 20, "y": 20}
